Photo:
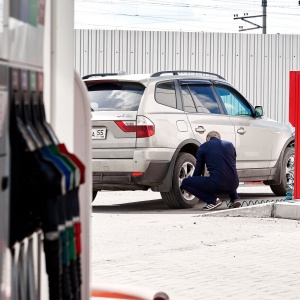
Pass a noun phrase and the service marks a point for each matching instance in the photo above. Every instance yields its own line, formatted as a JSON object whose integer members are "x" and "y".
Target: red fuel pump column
{"x": 294, "y": 118}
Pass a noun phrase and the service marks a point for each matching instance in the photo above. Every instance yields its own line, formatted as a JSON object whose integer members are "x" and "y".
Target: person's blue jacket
{"x": 220, "y": 159}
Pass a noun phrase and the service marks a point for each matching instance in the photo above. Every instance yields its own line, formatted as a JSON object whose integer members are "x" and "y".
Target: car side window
{"x": 165, "y": 94}
{"x": 188, "y": 103}
{"x": 199, "y": 98}
{"x": 204, "y": 98}
{"x": 234, "y": 104}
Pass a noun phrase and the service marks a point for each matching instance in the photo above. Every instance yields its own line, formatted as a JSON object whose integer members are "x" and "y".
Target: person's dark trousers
{"x": 201, "y": 187}
{"x": 206, "y": 189}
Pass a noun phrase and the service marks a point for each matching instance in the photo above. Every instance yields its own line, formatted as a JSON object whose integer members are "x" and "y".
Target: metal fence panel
{"x": 258, "y": 65}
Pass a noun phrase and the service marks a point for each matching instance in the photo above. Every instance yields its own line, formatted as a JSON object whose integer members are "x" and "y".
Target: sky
{"x": 283, "y": 16}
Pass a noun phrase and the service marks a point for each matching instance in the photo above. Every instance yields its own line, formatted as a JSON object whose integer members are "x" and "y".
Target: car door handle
{"x": 241, "y": 131}
{"x": 200, "y": 129}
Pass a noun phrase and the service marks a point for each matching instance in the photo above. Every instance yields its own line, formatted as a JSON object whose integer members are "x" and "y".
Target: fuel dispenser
{"x": 45, "y": 181}
{"x": 40, "y": 220}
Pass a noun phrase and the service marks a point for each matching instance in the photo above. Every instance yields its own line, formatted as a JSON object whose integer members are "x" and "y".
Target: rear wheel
{"x": 287, "y": 168}
{"x": 178, "y": 198}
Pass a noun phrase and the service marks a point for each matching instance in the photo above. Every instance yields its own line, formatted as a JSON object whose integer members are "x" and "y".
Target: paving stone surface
{"x": 194, "y": 257}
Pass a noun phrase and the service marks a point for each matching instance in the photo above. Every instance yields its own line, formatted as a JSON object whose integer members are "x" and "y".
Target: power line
{"x": 212, "y": 15}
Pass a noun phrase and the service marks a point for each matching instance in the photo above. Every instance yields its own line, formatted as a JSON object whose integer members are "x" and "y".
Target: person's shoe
{"x": 237, "y": 204}
{"x": 234, "y": 204}
{"x": 213, "y": 206}
{"x": 230, "y": 205}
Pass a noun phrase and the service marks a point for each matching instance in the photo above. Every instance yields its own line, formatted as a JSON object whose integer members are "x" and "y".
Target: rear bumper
{"x": 153, "y": 176}
{"x": 113, "y": 171}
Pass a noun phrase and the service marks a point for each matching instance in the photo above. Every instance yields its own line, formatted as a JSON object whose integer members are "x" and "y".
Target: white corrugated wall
{"x": 257, "y": 65}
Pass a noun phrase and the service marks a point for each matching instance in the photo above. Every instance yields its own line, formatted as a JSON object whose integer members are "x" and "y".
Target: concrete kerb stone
{"x": 255, "y": 211}
{"x": 290, "y": 210}
{"x": 287, "y": 210}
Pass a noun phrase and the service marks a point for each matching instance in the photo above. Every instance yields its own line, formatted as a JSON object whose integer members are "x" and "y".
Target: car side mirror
{"x": 259, "y": 112}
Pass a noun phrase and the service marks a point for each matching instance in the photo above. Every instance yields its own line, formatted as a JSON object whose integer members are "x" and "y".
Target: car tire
{"x": 178, "y": 198}
{"x": 287, "y": 166}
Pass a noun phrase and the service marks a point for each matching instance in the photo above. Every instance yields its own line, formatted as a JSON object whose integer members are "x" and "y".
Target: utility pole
{"x": 264, "y": 13}
{"x": 264, "y": 20}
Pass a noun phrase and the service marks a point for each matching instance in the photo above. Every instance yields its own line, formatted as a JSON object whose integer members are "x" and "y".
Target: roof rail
{"x": 99, "y": 75}
{"x": 175, "y": 72}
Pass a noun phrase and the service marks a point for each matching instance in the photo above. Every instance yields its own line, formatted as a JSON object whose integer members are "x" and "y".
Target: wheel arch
{"x": 188, "y": 146}
{"x": 278, "y": 175}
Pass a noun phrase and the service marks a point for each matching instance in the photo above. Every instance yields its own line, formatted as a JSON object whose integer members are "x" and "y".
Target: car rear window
{"x": 110, "y": 96}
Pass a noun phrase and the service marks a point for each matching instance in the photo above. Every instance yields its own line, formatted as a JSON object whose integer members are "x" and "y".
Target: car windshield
{"x": 110, "y": 96}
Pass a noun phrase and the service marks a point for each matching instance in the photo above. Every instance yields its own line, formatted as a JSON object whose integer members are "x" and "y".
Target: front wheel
{"x": 177, "y": 197}
{"x": 287, "y": 168}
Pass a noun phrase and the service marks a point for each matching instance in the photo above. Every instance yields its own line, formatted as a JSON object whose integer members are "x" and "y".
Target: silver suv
{"x": 146, "y": 130}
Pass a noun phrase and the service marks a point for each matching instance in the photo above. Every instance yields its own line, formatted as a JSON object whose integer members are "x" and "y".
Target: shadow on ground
{"x": 157, "y": 206}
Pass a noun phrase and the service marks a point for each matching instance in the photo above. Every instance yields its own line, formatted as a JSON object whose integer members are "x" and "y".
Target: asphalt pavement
{"x": 136, "y": 240}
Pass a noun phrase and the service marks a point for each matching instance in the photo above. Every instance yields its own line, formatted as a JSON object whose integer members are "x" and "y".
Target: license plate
{"x": 99, "y": 133}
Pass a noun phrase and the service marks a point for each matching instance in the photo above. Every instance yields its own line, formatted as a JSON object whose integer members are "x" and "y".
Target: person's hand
{"x": 187, "y": 193}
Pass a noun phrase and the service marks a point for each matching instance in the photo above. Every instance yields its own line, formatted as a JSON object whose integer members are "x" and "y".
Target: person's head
{"x": 212, "y": 134}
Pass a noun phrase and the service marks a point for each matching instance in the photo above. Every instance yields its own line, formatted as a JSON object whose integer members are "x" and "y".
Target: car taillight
{"x": 136, "y": 174}
{"x": 143, "y": 127}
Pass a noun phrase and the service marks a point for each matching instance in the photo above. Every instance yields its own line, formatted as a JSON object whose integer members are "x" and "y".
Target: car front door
{"x": 253, "y": 135}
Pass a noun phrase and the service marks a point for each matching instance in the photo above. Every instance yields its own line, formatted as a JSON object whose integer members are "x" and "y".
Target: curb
{"x": 287, "y": 210}
{"x": 290, "y": 210}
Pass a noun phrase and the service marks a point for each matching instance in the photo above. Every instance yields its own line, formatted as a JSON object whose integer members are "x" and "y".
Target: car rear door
{"x": 204, "y": 111}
